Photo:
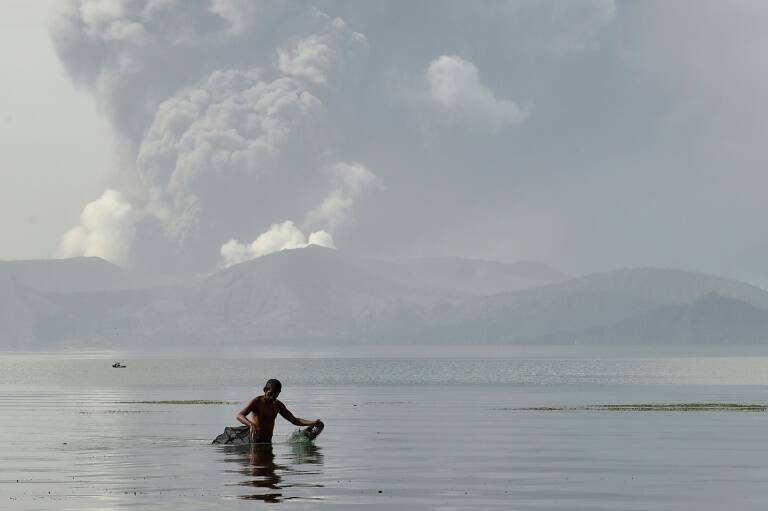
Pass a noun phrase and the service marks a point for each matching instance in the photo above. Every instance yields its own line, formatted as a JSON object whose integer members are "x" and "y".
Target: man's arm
{"x": 242, "y": 417}
{"x": 287, "y": 415}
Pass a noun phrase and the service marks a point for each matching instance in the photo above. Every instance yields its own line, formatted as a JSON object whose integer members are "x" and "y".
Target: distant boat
{"x": 118, "y": 365}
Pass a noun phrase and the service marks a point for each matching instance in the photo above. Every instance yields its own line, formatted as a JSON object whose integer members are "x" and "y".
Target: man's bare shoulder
{"x": 251, "y": 406}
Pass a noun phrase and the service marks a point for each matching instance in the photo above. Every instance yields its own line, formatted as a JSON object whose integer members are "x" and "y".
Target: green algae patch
{"x": 652, "y": 407}
{"x": 180, "y": 402}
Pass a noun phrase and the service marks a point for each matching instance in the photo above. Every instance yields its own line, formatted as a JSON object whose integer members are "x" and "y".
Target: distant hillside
{"x": 530, "y": 314}
{"x": 298, "y": 295}
{"x": 65, "y": 275}
{"x": 710, "y": 320}
{"x": 79, "y": 274}
{"x": 27, "y": 316}
{"x": 670, "y": 286}
{"x": 313, "y": 292}
{"x": 481, "y": 277}
{"x": 317, "y": 295}
{"x": 560, "y": 311}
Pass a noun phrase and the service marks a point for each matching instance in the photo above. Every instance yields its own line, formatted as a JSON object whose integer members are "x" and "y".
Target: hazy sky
{"x": 55, "y": 149}
{"x": 588, "y": 134}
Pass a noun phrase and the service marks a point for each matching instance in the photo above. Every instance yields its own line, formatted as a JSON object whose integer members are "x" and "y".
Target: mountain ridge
{"x": 711, "y": 319}
{"x": 317, "y": 295}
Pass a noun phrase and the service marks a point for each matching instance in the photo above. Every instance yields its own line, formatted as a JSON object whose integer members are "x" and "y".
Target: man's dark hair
{"x": 273, "y": 384}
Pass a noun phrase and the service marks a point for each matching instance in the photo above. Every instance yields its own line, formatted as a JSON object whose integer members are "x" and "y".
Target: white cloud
{"x": 283, "y": 236}
{"x": 308, "y": 58}
{"x": 107, "y": 229}
{"x": 455, "y": 85}
{"x": 321, "y": 238}
{"x": 312, "y": 57}
{"x": 109, "y": 20}
{"x": 348, "y": 181}
{"x": 241, "y": 14}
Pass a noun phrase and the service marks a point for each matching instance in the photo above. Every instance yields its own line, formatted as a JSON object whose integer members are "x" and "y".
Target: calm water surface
{"x": 413, "y": 433}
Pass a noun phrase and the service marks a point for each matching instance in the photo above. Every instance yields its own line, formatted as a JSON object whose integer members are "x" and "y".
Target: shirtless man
{"x": 264, "y": 410}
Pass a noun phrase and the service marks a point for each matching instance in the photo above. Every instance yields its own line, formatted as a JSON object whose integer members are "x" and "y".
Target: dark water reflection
{"x": 275, "y": 477}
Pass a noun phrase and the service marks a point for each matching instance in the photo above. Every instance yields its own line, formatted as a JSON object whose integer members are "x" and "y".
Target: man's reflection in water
{"x": 261, "y": 470}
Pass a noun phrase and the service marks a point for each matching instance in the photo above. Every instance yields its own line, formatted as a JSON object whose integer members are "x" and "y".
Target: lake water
{"x": 416, "y": 432}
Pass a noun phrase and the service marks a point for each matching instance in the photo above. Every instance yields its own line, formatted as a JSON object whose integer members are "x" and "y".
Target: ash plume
{"x": 217, "y": 134}
{"x": 246, "y": 127}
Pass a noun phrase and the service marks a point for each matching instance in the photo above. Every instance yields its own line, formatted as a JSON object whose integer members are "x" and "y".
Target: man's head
{"x": 272, "y": 389}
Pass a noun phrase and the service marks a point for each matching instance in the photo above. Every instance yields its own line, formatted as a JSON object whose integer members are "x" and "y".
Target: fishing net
{"x": 240, "y": 435}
